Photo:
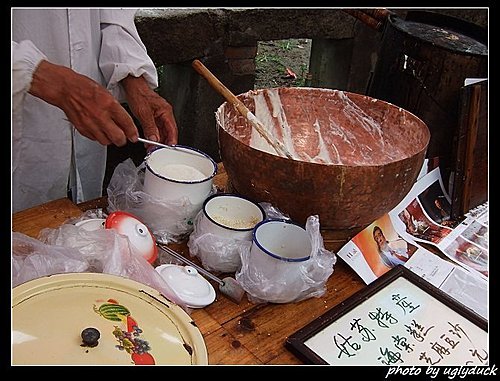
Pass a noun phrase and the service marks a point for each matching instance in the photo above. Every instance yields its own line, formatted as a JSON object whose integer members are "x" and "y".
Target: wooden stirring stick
{"x": 242, "y": 109}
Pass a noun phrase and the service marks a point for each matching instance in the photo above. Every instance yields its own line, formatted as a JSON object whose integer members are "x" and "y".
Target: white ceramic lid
{"x": 138, "y": 233}
{"x": 192, "y": 288}
{"x": 91, "y": 224}
{"x": 135, "y": 323}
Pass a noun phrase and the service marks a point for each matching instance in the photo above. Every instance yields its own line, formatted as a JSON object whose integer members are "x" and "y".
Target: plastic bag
{"x": 313, "y": 273}
{"x": 221, "y": 254}
{"x": 70, "y": 248}
{"x": 273, "y": 212}
{"x": 169, "y": 221}
{"x": 215, "y": 253}
{"x": 33, "y": 259}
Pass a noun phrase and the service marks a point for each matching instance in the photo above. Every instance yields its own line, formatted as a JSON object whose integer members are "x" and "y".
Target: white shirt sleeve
{"x": 25, "y": 59}
{"x": 122, "y": 51}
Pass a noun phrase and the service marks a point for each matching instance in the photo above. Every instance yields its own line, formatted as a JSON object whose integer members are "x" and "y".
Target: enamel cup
{"x": 230, "y": 216}
{"x": 278, "y": 253}
{"x": 179, "y": 171}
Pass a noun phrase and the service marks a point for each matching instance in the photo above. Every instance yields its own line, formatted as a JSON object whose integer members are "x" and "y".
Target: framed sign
{"x": 399, "y": 319}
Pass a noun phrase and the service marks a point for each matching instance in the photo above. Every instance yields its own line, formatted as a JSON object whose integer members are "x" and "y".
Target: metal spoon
{"x": 154, "y": 143}
{"x": 183, "y": 149}
{"x": 177, "y": 148}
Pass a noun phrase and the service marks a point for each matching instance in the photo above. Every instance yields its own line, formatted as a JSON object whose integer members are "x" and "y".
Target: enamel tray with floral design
{"x": 134, "y": 322}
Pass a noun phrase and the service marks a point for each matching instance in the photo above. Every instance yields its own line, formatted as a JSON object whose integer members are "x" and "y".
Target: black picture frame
{"x": 295, "y": 343}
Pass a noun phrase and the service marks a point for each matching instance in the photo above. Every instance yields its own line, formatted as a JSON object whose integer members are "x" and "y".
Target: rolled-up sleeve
{"x": 25, "y": 59}
{"x": 122, "y": 51}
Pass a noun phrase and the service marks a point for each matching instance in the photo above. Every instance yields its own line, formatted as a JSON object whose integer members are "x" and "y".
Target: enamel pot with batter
{"x": 172, "y": 173}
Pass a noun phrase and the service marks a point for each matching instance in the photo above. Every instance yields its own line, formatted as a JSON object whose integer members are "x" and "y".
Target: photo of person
{"x": 436, "y": 205}
{"x": 477, "y": 233}
{"x": 390, "y": 255}
{"x": 420, "y": 226}
{"x": 382, "y": 247}
{"x": 469, "y": 254}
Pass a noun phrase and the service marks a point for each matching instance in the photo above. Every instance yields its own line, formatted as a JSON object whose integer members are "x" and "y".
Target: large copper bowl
{"x": 355, "y": 157}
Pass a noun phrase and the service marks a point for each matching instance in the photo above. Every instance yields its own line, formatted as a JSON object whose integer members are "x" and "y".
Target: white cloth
{"x": 47, "y": 151}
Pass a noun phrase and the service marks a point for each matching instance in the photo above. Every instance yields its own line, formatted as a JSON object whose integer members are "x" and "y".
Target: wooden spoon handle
{"x": 242, "y": 109}
{"x": 219, "y": 87}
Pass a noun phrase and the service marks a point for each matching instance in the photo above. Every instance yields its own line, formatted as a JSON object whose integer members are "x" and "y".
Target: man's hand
{"x": 154, "y": 112}
{"x": 90, "y": 107}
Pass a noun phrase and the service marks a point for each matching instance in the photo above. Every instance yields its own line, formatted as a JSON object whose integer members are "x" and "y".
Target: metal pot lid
{"x": 138, "y": 233}
{"x": 444, "y": 36}
{"x": 193, "y": 289}
{"x": 56, "y": 320}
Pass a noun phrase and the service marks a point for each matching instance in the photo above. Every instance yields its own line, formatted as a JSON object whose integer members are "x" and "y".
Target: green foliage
{"x": 275, "y": 57}
{"x": 302, "y": 78}
{"x": 286, "y": 45}
{"x": 260, "y": 58}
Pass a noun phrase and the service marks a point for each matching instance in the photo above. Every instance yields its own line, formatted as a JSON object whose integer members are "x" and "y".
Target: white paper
{"x": 471, "y": 81}
{"x": 417, "y": 220}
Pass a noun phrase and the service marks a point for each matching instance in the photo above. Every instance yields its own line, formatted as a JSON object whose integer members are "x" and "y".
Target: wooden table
{"x": 234, "y": 334}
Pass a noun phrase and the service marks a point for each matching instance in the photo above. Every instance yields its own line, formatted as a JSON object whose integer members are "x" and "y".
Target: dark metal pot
{"x": 422, "y": 65}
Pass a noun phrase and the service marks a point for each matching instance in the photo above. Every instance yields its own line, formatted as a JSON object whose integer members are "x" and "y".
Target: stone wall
{"x": 225, "y": 40}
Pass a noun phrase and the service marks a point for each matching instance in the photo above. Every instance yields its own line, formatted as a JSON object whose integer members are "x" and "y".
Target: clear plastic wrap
{"x": 220, "y": 254}
{"x": 33, "y": 259}
{"x": 169, "y": 221}
{"x": 70, "y": 248}
{"x": 216, "y": 253}
{"x": 272, "y": 211}
{"x": 281, "y": 287}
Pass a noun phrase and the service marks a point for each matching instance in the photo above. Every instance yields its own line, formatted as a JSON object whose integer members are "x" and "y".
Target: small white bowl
{"x": 139, "y": 235}
{"x": 230, "y": 216}
{"x": 179, "y": 171}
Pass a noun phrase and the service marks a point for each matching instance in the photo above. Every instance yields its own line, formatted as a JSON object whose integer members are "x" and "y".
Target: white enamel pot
{"x": 172, "y": 173}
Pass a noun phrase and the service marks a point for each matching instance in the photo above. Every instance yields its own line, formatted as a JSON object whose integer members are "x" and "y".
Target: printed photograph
{"x": 469, "y": 254}
{"x": 420, "y": 226}
{"x": 382, "y": 247}
{"x": 436, "y": 205}
{"x": 477, "y": 233}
